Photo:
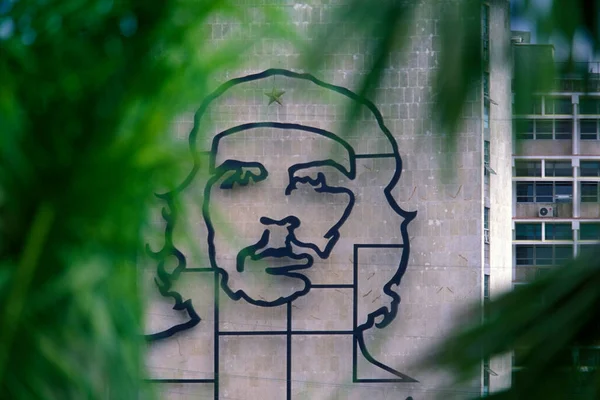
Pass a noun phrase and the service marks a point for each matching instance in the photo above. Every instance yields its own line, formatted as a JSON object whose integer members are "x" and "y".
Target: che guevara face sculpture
{"x": 281, "y": 200}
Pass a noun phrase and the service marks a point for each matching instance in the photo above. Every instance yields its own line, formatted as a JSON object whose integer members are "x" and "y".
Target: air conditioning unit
{"x": 546, "y": 211}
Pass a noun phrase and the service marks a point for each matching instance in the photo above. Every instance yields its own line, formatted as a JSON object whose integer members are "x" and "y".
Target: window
{"x": 542, "y": 129}
{"x": 486, "y": 377}
{"x": 558, "y": 105}
{"x": 559, "y": 231}
{"x": 528, "y": 231}
{"x": 486, "y": 85}
{"x": 589, "y": 168}
{"x": 528, "y": 168}
{"x": 486, "y": 287}
{"x": 543, "y": 192}
{"x": 589, "y": 192}
{"x": 485, "y": 34}
{"x": 530, "y": 105}
{"x": 486, "y": 118}
{"x": 563, "y": 129}
{"x": 588, "y": 129}
{"x": 543, "y": 254}
{"x": 589, "y": 105}
{"x": 487, "y": 170}
{"x": 558, "y": 168}
{"x": 486, "y": 224}
{"x": 589, "y": 231}
{"x": 587, "y": 249}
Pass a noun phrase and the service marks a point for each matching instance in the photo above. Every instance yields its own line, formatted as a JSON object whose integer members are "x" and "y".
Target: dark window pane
{"x": 563, "y": 189}
{"x": 543, "y": 129}
{"x": 589, "y": 168}
{"x": 543, "y": 255}
{"x": 486, "y": 218}
{"x": 585, "y": 249}
{"x": 528, "y": 168}
{"x": 558, "y": 168}
{"x": 589, "y": 192}
{"x": 525, "y": 192}
{"x": 559, "y": 232}
{"x": 588, "y": 105}
{"x": 589, "y": 231}
{"x": 485, "y": 32}
{"x": 525, "y": 128}
{"x": 560, "y": 105}
{"x": 588, "y": 129}
{"x": 588, "y": 126}
{"x": 486, "y": 84}
{"x": 528, "y": 231}
{"x": 562, "y": 253}
{"x": 524, "y": 254}
{"x": 563, "y": 129}
{"x": 543, "y": 193}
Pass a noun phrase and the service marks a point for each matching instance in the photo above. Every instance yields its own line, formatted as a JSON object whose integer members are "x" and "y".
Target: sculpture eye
{"x": 242, "y": 175}
{"x": 318, "y": 182}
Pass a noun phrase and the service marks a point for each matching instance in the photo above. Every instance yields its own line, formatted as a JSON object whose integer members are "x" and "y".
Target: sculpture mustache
{"x": 261, "y": 250}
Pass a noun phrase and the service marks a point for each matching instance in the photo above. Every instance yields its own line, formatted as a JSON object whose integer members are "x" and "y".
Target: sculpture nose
{"x": 280, "y": 230}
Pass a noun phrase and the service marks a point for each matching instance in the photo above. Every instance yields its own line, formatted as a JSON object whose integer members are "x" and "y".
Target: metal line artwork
{"x": 282, "y": 250}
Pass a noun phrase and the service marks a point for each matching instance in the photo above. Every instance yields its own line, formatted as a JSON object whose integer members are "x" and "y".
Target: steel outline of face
{"x": 165, "y": 279}
{"x": 257, "y": 250}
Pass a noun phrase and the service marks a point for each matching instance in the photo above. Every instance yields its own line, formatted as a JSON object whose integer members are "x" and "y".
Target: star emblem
{"x": 275, "y": 96}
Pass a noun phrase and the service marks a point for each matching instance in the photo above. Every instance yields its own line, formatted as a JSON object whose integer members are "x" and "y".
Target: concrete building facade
{"x": 334, "y": 283}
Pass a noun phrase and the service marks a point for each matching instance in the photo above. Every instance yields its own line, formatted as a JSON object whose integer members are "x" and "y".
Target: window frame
{"x": 596, "y": 231}
{"x": 536, "y": 188}
{"x": 589, "y": 198}
{"x": 589, "y": 135}
{"x": 553, "y": 168}
{"x": 550, "y": 105}
{"x": 550, "y": 231}
{"x": 596, "y": 169}
{"x": 521, "y": 165}
{"x": 532, "y": 131}
{"x": 535, "y": 227}
{"x": 485, "y": 35}
{"x": 537, "y": 255}
{"x": 596, "y": 101}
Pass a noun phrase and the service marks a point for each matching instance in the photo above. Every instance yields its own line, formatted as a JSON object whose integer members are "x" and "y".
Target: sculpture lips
{"x": 261, "y": 251}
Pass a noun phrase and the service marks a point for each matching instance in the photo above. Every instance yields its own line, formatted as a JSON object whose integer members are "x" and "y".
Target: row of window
{"x": 543, "y": 192}
{"x": 557, "y": 231}
{"x": 549, "y": 129}
{"x": 551, "y": 105}
{"x": 543, "y": 254}
{"x": 548, "y": 255}
{"x": 546, "y": 105}
{"x": 556, "y": 192}
{"x": 556, "y": 168}
{"x": 544, "y": 129}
